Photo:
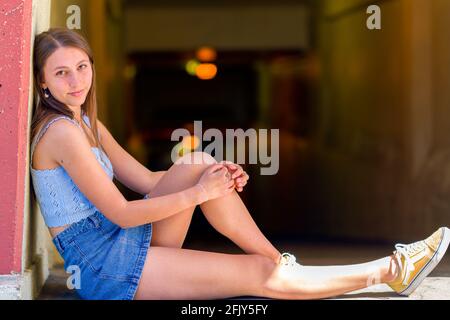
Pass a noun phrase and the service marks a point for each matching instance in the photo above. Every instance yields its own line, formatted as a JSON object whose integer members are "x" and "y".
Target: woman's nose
{"x": 74, "y": 80}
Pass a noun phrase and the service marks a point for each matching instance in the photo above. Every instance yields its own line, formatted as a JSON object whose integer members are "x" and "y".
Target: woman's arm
{"x": 155, "y": 177}
{"x": 73, "y": 152}
{"x": 127, "y": 169}
{"x": 138, "y": 212}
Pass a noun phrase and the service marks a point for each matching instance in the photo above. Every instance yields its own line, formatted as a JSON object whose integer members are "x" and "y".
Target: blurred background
{"x": 364, "y": 115}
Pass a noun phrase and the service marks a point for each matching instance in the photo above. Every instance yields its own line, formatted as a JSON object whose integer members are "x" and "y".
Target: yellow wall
{"x": 243, "y": 27}
{"x": 39, "y": 253}
{"x": 383, "y": 118}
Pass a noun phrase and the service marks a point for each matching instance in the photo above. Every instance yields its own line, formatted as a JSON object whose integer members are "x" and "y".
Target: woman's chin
{"x": 75, "y": 101}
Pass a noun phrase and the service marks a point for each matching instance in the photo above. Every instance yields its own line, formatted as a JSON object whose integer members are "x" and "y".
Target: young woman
{"x": 133, "y": 249}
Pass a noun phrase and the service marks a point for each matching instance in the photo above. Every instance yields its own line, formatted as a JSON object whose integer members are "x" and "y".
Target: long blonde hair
{"x": 47, "y": 108}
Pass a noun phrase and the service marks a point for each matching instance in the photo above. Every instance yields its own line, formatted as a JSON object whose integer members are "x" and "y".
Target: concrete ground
{"x": 435, "y": 286}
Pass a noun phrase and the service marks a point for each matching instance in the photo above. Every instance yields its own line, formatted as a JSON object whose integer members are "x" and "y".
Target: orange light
{"x": 206, "y": 54}
{"x": 190, "y": 142}
{"x": 206, "y": 71}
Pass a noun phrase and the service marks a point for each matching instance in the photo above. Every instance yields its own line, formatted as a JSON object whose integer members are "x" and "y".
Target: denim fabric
{"x": 109, "y": 259}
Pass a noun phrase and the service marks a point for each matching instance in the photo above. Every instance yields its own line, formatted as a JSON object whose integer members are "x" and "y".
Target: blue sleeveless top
{"x": 60, "y": 200}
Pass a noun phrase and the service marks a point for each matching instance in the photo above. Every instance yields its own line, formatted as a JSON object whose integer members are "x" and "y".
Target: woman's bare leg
{"x": 172, "y": 231}
{"x": 174, "y": 273}
{"x": 315, "y": 282}
{"x": 206, "y": 275}
{"x": 228, "y": 214}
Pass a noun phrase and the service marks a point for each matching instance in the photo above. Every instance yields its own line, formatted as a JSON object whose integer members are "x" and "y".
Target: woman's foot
{"x": 416, "y": 260}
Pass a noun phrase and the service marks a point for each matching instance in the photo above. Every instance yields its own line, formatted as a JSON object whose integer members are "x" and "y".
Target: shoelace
{"x": 407, "y": 250}
{"x": 289, "y": 259}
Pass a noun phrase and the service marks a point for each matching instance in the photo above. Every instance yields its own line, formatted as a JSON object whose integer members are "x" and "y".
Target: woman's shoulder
{"x": 56, "y": 126}
{"x": 52, "y": 134}
{"x": 54, "y": 120}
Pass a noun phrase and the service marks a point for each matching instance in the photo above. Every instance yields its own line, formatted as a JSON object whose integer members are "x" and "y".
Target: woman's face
{"x": 68, "y": 76}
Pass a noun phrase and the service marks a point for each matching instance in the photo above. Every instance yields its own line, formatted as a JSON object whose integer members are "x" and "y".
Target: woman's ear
{"x": 42, "y": 81}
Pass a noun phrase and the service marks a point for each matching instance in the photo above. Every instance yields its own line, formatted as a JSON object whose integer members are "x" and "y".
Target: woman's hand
{"x": 238, "y": 174}
{"x": 216, "y": 182}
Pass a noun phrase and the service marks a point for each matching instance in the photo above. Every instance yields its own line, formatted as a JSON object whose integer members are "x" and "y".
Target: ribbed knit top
{"x": 60, "y": 200}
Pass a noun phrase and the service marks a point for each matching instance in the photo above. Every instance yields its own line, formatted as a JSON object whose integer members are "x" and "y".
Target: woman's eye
{"x": 60, "y": 73}
{"x": 83, "y": 66}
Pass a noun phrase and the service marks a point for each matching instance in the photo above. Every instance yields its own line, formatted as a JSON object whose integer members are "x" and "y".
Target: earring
{"x": 46, "y": 93}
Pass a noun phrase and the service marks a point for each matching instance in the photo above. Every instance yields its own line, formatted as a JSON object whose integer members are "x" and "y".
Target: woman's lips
{"x": 76, "y": 93}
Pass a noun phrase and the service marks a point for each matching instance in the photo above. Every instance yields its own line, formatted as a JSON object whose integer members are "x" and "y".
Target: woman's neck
{"x": 77, "y": 113}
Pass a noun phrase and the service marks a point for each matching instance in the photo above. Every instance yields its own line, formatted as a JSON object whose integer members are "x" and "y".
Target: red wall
{"x": 15, "y": 36}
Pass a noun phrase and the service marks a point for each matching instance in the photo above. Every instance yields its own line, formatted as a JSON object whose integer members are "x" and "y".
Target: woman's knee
{"x": 182, "y": 174}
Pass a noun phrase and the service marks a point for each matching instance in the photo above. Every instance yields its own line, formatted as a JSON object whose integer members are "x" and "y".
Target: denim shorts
{"x": 103, "y": 260}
